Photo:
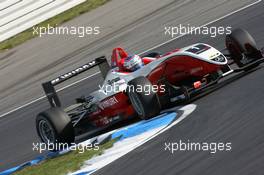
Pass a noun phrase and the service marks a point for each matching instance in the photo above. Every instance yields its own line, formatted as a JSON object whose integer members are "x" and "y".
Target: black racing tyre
{"x": 146, "y": 102}
{"x": 55, "y": 126}
{"x": 240, "y": 42}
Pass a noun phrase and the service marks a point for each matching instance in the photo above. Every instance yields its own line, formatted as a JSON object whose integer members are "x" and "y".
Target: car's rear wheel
{"x": 54, "y": 126}
{"x": 145, "y": 103}
{"x": 240, "y": 43}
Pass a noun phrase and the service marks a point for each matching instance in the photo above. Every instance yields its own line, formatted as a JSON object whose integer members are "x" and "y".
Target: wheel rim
{"x": 46, "y": 131}
{"x": 136, "y": 103}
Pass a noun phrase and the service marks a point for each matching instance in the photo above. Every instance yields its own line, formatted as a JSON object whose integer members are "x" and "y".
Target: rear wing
{"x": 49, "y": 87}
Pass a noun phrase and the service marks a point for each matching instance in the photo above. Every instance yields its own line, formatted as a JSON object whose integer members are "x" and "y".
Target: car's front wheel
{"x": 143, "y": 98}
{"x": 241, "y": 44}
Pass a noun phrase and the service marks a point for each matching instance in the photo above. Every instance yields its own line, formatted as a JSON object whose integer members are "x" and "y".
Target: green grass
{"x": 20, "y": 38}
{"x": 64, "y": 164}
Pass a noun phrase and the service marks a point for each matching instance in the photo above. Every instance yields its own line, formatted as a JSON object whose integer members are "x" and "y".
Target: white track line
{"x": 40, "y": 98}
{"x": 218, "y": 19}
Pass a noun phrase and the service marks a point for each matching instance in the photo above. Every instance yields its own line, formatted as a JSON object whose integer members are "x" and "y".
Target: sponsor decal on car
{"x": 108, "y": 102}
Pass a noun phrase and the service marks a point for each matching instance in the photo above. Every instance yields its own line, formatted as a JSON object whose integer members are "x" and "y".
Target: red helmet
{"x": 133, "y": 63}
{"x": 124, "y": 62}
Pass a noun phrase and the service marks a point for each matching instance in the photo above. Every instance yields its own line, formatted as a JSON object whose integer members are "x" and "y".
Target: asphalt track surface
{"x": 232, "y": 113}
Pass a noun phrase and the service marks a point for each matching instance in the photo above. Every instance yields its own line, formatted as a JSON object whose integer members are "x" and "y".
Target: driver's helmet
{"x": 133, "y": 63}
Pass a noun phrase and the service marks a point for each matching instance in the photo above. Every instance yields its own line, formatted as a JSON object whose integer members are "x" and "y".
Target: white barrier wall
{"x": 19, "y": 15}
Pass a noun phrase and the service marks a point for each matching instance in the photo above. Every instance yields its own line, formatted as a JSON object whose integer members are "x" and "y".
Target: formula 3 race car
{"x": 165, "y": 80}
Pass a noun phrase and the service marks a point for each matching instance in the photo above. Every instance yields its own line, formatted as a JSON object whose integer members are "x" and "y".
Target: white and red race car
{"x": 164, "y": 80}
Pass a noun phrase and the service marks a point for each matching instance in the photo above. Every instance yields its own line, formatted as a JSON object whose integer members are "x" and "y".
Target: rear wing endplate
{"x": 49, "y": 87}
